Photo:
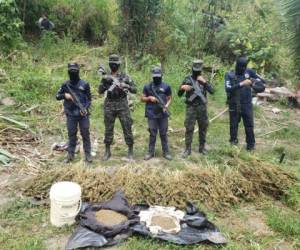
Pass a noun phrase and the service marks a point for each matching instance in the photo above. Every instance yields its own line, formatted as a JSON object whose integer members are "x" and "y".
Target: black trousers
{"x": 161, "y": 125}
{"x": 235, "y": 116}
{"x": 84, "y": 125}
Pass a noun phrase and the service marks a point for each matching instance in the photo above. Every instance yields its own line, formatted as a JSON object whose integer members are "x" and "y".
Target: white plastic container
{"x": 65, "y": 203}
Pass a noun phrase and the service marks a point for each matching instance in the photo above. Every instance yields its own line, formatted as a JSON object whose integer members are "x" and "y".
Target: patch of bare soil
{"x": 6, "y": 182}
{"x": 281, "y": 245}
{"x": 246, "y": 220}
{"x": 57, "y": 243}
{"x": 256, "y": 222}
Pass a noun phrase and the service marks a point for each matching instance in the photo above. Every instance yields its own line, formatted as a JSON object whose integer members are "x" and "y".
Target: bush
{"x": 10, "y": 26}
{"x": 93, "y": 22}
{"x": 255, "y": 33}
{"x": 82, "y": 20}
{"x": 243, "y": 39}
{"x": 30, "y": 11}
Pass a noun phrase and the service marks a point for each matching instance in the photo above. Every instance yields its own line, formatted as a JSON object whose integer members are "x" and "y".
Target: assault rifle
{"x": 160, "y": 103}
{"x": 116, "y": 82}
{"x": 257, "y": 85}
{"x": 197, "y": 92}
{"x": 83, "y": 110}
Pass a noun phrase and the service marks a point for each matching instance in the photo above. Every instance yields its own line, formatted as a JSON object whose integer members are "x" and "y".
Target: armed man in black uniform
{"x": 239, "y": 85}
{"x": 157, "y": 95}
{"x": 195, "y": 87}
{"x": 77, "y": 99}
{"x": 117, "y": 85}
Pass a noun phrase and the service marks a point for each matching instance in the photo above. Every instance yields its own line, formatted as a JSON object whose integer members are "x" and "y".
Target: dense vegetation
{"x": 154, "y": 29}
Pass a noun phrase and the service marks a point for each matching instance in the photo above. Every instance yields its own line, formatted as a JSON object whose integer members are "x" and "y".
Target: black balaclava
{"x": 157, "y": 80}
{"x": 74, "y": 76}
{"x": 195, "y": 74}
{"x": 114, "y": 67}
{"x": 241, "y": 65}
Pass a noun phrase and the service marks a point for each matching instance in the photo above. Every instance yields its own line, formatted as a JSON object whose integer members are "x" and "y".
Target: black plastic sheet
{"x": 195, "y": 227}
{"x": 92, "y": 233}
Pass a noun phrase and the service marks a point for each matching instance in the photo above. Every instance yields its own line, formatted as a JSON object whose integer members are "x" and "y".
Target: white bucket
{"x": 65, "y": 203}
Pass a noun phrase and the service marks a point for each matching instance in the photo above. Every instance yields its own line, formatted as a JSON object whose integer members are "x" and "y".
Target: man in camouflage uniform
{"x": 116, "y": 85}
{"x": 195, "y": 107}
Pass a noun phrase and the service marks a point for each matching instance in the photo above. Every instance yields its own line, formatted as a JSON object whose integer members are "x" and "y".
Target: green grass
{"x": 26, "y": 226}
{"x": 287, "y": 223}
{"x": 35, "y": 75}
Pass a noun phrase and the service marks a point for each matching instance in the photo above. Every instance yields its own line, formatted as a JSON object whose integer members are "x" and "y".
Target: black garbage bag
{"x": 195, "y": 228}
{"x": 83, "y": 237}
{"x": 92, "y": 233}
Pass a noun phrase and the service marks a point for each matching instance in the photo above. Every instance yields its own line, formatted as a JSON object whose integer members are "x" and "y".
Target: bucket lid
{"x": 65, "y": 190}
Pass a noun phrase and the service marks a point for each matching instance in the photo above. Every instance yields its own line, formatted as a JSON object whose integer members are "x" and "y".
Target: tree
{"x": 138, "y": 21}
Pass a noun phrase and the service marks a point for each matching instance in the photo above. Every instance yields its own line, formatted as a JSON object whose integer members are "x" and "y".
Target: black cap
{"x": 156, "y": 72}
{"x": 73, "y": 67}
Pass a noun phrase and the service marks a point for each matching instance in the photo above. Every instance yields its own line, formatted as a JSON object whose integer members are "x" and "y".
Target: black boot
{"x": 202, "y": 149}
{"x": 148, "y": 156}
{"x": 187, "y": 151}
{"x": 250, "y": 148}
{"x": 69, "y": 158}
{"x": 234, "y": 142}
{"x": 88, "y": 158}
{"x": 107, "y": 153}
{"x": 167, "y": 156}
{"x": 130, "y": 152}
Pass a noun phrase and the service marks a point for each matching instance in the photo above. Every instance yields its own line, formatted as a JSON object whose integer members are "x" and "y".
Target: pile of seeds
{"x": 165, "y": 222}
{"x": 109, "y": 217}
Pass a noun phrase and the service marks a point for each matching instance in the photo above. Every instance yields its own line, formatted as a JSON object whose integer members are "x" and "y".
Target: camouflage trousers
{"x": 195, "y": 113}
{"x": 117, "y": 109}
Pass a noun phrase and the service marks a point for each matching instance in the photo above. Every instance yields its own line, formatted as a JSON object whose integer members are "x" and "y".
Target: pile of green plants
{"x": 242, "y": 181}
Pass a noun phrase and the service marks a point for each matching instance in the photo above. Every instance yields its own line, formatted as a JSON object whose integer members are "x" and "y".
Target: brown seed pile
{"x": 216, "y": 188}
{"x": 166, "y": 223}
{"x": 109, "y": 217}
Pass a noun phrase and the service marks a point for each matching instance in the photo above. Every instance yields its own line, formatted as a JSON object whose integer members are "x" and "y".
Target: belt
{"x": 115, "y": 99}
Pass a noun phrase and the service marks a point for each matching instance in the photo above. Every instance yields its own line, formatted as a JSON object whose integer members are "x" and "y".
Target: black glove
{"x": 107, "y": 81}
